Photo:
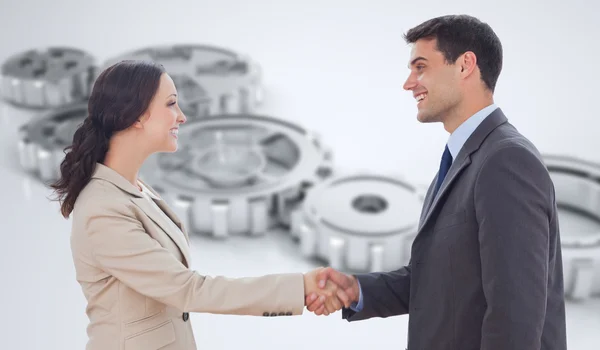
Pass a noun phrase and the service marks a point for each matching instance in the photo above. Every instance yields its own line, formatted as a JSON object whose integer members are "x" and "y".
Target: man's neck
{"x": 464, "y": 112}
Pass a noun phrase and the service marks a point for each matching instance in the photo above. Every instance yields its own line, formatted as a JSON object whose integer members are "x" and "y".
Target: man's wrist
{"x": 355, "y": 289}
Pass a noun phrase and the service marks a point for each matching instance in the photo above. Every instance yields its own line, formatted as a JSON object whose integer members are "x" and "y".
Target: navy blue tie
{"x": 444, "y": 166}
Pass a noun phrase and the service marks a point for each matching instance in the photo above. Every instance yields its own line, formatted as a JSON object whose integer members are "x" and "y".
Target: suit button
{"x": 265, "y": 314}
{"x": 273, "y": 314}
{"x": 185, "y": 316}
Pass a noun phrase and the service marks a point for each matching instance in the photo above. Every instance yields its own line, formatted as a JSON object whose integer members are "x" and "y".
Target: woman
{"x": 130, "y": 251}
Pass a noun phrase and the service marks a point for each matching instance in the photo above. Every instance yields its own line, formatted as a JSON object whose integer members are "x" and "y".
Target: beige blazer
{"x": 133, "y": 265}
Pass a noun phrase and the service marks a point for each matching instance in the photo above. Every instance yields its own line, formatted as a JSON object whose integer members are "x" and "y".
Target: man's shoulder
{"x": 505, "y": 140}
{"x": 507, "y": 154}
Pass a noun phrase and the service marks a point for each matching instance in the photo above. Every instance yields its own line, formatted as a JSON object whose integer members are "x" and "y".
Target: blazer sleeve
{"x": 514, "y": 200}
{"x": 385, "y": 294}
{"x": 121, "y": 247}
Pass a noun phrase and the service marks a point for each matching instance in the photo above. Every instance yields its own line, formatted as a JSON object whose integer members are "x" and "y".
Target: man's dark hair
{"x": 457, "y": 34}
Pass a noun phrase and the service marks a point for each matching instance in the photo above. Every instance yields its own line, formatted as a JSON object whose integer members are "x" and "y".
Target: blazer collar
{"x": 463, "y": 159}
{"x": 105, "y": 173}
{"x": 495, "y": 119}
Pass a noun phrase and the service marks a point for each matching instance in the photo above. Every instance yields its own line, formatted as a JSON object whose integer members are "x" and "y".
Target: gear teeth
{"x": 376, "y": 257}
{"x": 327, "y": 167}
{"x": 314, "y": 137}
{"x": 422, "y": 191}
{"x": 47, "y": 165}
{"x": 27, "y": 155}
{"x": 183, "y": 208}
{"x": 285, "y": 202}
{"x": 308, "y": 245}
{"x": 271, "y": 186}
{"x": 254, "y": 92}
{"x": 341, "y": 237}
{"x": 336, "y": 253}
{"x": 220, "y": 215}
{"x": 211, "y": 80}
{"x": 581, "y": 277}
{"x": 577, "y": 186}
{"x": 47, "y": 78}
{"x": 41, "y": 141}
{"x": 289, "y": 201}
{"x": 296, "y": 222}
{"x": 258, "y": 211}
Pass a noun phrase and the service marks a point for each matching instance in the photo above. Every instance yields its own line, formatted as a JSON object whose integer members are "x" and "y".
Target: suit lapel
{"x": 453, "y": 173}
{"x": 463, "y": 160}
{"x": 427, "y": 201}
{"x": 182, "y": 241}
{"x": 162, "y": 222}
{"x": 165, "y": 208}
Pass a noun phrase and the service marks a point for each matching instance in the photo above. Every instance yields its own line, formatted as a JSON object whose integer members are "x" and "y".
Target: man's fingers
{"x": 333, "y": 304}
{"x": 343, "y": 296}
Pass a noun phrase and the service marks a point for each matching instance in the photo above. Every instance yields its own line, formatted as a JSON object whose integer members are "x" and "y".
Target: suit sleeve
{"x": 384, "y": 294}
{"x": 122, "y": 248}
{"x": 514, "y": 197}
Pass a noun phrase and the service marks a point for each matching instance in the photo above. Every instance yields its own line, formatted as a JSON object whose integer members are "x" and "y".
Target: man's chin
{"x": 427, "y": 117}
{"x": 423, "y": 118}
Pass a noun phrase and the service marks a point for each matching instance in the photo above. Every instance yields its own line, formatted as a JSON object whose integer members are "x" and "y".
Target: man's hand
{"x": 347, "y": 290}
{"x": 325, "y": 293}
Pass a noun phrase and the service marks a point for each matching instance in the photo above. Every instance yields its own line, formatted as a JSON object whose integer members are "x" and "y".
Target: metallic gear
{"x": 42, "y": 141}
{"x": 577, "y": 186}
{"x": 362, "y": 222}
{"x": 49, "y": 78}
{"x": 238, "y": 174}
{"x": 211, "y": 80}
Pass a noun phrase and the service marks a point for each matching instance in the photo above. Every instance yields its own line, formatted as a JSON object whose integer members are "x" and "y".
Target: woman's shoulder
{"x": 101, "y": 197}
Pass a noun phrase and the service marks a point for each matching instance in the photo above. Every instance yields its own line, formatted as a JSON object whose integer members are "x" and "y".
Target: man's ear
{"x": 468, "y": 63}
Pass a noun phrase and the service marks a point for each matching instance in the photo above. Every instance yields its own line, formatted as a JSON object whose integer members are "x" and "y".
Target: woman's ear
{"x": 139, "y": 124}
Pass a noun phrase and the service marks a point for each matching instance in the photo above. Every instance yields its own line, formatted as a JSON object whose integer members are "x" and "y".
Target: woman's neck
{"x": 126, "y": 159}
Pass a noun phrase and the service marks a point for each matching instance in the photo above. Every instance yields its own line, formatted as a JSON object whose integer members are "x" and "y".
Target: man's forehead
{"x": 422, "y": 50}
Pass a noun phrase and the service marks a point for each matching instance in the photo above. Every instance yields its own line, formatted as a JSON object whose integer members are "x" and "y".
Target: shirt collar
{"x": 458, "y": 138}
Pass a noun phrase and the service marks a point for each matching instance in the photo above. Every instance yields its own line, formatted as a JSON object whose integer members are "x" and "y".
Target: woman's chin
{"x": 170, "y": 148}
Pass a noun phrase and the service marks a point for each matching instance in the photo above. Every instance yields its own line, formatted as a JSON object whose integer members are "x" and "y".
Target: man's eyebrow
{"x": 416, "y": 60}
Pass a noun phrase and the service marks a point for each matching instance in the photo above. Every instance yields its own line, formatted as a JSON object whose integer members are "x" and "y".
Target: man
{"x": 486, "y": 267}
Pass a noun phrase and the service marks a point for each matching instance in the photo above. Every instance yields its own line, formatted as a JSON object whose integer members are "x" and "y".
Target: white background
{"x": 334, "y": 66}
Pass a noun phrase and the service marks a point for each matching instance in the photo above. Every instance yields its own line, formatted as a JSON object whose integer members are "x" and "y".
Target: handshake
{"x": 327, "y": 291}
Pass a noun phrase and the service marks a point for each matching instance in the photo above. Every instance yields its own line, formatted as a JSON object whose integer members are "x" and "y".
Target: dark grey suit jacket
{"x": 486, "y": 267}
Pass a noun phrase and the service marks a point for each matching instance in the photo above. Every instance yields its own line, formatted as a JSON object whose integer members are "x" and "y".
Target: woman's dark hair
{"x": 120, "y": 95}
